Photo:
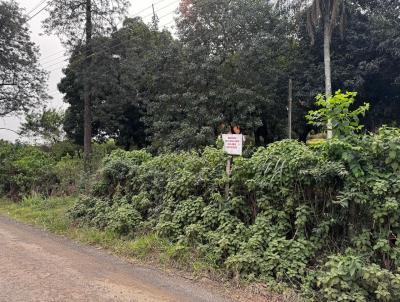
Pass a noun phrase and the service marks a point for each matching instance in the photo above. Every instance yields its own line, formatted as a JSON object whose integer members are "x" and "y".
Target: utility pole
{"x": 290, "y": 104}
{"x": 87, "y": 141}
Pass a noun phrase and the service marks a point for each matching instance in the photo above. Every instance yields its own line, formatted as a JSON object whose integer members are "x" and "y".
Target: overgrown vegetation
{"x": 323, "y": 219}
{"x": 27, "y": 169}
{"x": 229, "y": 64}
{"x": 337, "y": 111}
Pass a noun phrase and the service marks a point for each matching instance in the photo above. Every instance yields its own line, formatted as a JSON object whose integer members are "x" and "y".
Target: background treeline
{"x": 230, "y": 63}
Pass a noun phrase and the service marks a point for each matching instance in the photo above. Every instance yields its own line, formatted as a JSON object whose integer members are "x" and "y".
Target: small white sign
{"x": 233, "y": 143}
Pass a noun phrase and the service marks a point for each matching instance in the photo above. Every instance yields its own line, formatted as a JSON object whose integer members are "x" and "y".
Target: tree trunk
{"x": 87, "y": 141}
{"x": 327, "y": 65}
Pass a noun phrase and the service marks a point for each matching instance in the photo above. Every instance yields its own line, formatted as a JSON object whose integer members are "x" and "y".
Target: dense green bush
{"x": 68, "y": 171}
{"x": 25, "y": 169}
{"x": 349, "y": 278}
{"x": 324, "y": 219}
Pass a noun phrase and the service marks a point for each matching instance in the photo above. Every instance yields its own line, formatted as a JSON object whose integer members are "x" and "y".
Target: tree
{"x": 336, "y": 109}
{"x": 230, "y": 65}
{"x": 128, "y": 73}
{"x": 71, "y": 20}
{"x": 184, "y": 93}
{"x": 382, "y": 80}
{"x": 234, "y": 61}
{"x": 364, "y": 60}
{"x": 22, "y": 81}
{"x": 46, "y": 125}
{"x": 326, "y": 13}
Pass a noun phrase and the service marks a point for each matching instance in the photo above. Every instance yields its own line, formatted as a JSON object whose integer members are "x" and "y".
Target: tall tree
{"x": 366, "y": 59}
{"x": 72, "y": 20}
{"x": 325, "y": 13}
{"x": 22, "y": 81}
{"x": 230, "y": 65}
{"x": 236, "y": 55}
{"x": 130, "y": 70}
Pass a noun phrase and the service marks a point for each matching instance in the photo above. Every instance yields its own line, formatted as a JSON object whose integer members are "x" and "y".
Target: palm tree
{"x": 325, "y": 13}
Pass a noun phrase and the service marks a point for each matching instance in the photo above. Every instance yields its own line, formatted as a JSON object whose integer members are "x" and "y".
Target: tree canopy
{"x": 22, "y": 81}
{"x": 74, "y": 20}
{"x": 67, "y": 19}
{"x": 46, "y": 126}
{"x": 229, "y": 64}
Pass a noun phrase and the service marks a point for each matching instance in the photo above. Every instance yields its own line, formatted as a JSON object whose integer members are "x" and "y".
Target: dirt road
{"x": 38, "y": 266}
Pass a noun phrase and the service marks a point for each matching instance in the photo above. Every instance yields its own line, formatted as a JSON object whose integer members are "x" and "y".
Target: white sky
{"x": 52, "y": 52}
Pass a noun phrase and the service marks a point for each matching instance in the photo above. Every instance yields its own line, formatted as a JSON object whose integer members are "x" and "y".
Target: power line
{"x": 166, "y": 15}
{"x": 121, "y": 43}
{"x": 7, "y": 129}
{"x": 42, "y": 9}
{"x": 143, "y": 10}
{"x": 66, "y": 60}
{"x": 54, "y": 59}
{"x": 76, "y": 61}
{"x": 51, "y": 55}
{"x": 133, "y": 16}
{"x": 36, "y": 7}
{"x": 160, "y": 9}
{"x": 172, "y": 21}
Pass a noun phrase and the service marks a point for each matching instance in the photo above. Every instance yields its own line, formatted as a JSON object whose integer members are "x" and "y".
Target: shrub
{"x": 68, "y": 171}
{"x": 289, "y": 212}
{"x": 25, "y": 169}
{"x": 337, "y": 112}
{"x": 348, "y": 278}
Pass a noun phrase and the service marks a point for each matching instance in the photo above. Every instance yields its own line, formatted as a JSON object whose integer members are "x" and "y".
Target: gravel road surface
{"x": 38, "y": 266}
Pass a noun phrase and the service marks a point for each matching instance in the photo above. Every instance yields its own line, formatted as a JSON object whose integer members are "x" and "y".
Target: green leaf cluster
{"x": 38, "y": 169}
{"x": 336, "y": 111}
{"x": 288, "y": 213}
{"x": 25, "y": 169}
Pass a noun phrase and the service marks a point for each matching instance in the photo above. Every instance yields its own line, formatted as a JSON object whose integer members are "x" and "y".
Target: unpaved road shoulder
{"x": 38, "y": 266}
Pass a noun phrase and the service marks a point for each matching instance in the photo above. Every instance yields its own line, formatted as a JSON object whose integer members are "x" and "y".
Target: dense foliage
{"x": 337, "y": 112}
{"x": 22, "y": 81}
{"x": 24, "y": 169}
{"x": 229, "y": 64}
{"x": 45, "y": 126}
{"x": 28, "y": 170}
{"x": 323, "y": 219}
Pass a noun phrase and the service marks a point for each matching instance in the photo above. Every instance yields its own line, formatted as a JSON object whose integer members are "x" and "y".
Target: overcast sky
{"x": 52, "y": 52}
